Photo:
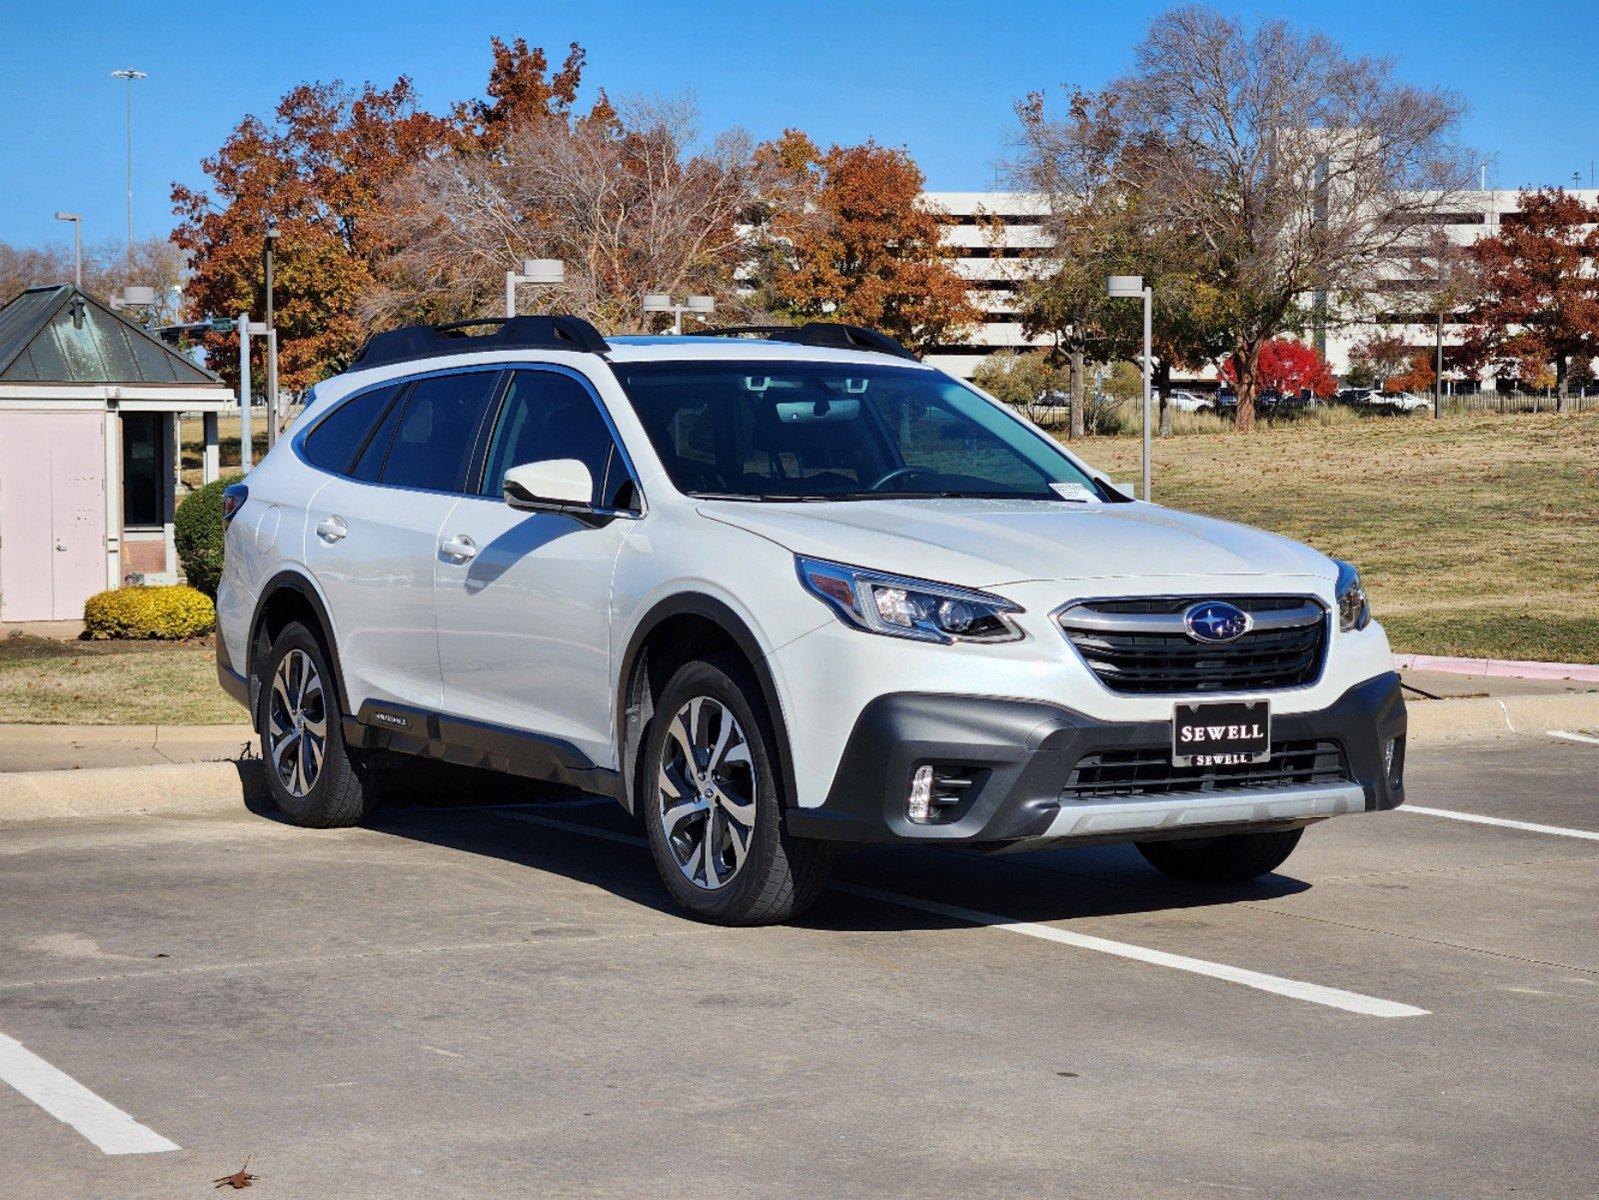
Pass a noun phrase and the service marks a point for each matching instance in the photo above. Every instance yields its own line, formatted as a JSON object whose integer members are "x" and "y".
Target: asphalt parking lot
{"x": 499, "y": 1001}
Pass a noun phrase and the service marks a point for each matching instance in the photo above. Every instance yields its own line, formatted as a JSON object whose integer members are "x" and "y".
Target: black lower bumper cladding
{"x": 1020, "y": 755}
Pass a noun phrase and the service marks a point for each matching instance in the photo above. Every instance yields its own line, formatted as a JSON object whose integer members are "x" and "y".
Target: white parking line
{"x": 67, "y": 1100}
{"x": 1573, "y": 737}
{"x": 1313, "y": 993}
{"x": 1587, "y": 835}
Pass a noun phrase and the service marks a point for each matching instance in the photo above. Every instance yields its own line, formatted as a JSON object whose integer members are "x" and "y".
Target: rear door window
{"x": 339, "y": 437}
{"x": 435, "y": 434}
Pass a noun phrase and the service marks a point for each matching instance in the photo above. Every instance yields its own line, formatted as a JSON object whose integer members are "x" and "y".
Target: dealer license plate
{"x": 1221, "y": 734}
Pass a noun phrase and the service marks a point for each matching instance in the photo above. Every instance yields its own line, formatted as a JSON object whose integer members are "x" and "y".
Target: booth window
{"x": 143, "y": 471}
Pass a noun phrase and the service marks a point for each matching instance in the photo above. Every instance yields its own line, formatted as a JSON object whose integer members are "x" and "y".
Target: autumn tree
{"x": 850, "y": 238}
{"x": 1539, "y": 303}
{"x": 1287, "y": 366}
{"x": 323, "y": 165}
{"x": 1286, "y": 167}
{"x": 108, "y": 267}
{"x": 318, "y": 167}
{"x": 1378, "y": 357}
{"x": 1095, "y": 227}
{"x": 1031, "y": 381}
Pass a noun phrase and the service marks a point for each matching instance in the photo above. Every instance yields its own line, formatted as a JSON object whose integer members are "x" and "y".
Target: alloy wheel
{"x": 706, "y": 793}
{"x": 297, "y": 723}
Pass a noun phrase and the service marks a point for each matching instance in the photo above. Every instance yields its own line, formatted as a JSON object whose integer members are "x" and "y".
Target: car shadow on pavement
{"x": 592, "y": 843}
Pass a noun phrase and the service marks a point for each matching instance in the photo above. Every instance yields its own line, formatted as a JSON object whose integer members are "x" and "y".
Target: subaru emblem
{"x": 1215, "y": 621}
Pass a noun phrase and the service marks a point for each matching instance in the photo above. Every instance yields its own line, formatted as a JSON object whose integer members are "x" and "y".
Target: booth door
{"x": 52, "y": 514}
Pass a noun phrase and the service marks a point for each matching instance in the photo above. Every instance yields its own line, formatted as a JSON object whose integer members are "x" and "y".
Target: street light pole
{"x": 267, "y": 245}
{"x": 129, "y": 74}
{"x": 1126, "y": 287}
{"x": 77, "y": 244}
{"x": 548, "y": 272}
{"x": 700, "y": 306}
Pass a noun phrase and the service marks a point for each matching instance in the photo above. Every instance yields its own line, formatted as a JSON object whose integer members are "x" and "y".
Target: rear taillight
{"x": 233, "y": 499}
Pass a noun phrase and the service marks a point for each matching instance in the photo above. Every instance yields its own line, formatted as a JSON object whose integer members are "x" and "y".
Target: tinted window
{"x": 369, "y": 465}
{"x": 547, "y": 416}
{"x": 339, "y": 435}
{"x": 433, "y": 439}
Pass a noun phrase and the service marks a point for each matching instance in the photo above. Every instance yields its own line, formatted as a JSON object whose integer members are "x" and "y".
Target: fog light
{"x": 919, "y": 806}
{"x": 1393, "y": 757}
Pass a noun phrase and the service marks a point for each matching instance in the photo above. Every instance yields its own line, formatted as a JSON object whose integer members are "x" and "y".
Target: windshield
{"x": 808, "y": 431}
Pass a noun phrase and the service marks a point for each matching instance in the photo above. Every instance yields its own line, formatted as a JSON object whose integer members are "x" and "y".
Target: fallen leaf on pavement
{"x": 239, "y": 1180}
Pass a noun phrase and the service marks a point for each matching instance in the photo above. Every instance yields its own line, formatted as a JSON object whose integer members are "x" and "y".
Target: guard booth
{"x": 89, "y": 441}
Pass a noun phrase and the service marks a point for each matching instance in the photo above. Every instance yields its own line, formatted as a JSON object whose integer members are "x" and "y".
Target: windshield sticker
{"x": 1076, "y": 492}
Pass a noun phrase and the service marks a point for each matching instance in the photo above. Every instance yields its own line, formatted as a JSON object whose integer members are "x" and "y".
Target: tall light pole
{"x": 130, "y": 75}
{"x": 77, "y": 244}
{"x": 1120, "y": 287}
{"x": 268, "y": 244}
{"x": 660, "y": 302}
{"x": 546, "y": 272}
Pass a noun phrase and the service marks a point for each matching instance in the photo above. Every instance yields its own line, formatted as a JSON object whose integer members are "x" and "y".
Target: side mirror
{"x": 560, "y": 485}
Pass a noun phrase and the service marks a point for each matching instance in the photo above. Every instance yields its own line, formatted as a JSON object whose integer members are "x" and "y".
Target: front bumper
{"x": 1019, "y": 755}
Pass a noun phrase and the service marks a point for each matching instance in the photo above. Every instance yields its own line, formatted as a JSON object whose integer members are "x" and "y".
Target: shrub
{"x": 149, "y": 612}
{"x": 198, "y": 532}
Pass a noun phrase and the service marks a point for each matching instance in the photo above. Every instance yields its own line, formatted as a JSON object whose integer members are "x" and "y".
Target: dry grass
{"x": 1477, "y": 535}
{"x": 46, "y": 682}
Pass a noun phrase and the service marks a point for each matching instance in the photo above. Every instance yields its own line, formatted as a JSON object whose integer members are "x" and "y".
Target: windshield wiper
{"x": 766, "y": 497}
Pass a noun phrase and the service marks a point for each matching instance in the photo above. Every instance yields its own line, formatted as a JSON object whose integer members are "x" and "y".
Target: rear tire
{"x": 713, "y": 806}
{"x": 313, "y": 777}
{"x": 1233, "y": 858}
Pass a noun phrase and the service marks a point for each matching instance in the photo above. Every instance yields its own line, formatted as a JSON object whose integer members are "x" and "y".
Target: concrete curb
{"x": 186, "y": 789}
{"x": 1499, "y": 668}
{"x": 195, "y": 789}
{"x": 1434, "y": 721}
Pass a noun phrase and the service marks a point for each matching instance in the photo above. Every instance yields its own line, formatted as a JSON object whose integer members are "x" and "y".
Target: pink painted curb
{"x": 1502, "y": 668}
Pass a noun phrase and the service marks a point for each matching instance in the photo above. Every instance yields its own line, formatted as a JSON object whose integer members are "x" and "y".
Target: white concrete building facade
{"x": 992, "y": 232}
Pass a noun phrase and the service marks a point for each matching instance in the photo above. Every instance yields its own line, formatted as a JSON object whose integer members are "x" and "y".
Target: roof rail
{"x": 503, "y": 333}
{"x": 820, "y": 333}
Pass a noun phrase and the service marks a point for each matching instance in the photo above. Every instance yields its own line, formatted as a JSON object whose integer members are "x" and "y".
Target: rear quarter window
{"x": 339, "y": 437}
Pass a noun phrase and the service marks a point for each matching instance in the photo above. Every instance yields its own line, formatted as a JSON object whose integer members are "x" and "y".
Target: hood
{"x": 984, "y": 543}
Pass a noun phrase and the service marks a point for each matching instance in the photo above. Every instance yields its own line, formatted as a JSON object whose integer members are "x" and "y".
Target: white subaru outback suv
{"x": 778, "y": 591}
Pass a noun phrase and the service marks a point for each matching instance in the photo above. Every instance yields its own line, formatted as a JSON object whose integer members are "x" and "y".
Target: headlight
{"x": 1354, "y": 612}
{"x": 908, "y": 608}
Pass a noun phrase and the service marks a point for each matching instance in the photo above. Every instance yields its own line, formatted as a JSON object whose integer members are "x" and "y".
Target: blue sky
{"x": 938, "y": 78}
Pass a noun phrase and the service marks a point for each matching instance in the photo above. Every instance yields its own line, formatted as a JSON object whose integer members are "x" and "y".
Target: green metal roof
{"x": 61, "y": 334}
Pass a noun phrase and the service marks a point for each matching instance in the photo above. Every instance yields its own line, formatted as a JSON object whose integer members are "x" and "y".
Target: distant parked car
{"x": 1184, "y": 401}
{"x": 1356, "y": 396}
{"x": 1400, "y": 402}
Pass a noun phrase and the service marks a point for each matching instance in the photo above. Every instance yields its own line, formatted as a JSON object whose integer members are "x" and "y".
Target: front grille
{"x": 1149, "y": 771}
{"x": 1141, "y": 646}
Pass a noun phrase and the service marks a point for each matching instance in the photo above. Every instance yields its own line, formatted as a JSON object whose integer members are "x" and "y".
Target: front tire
{"x": 314, "y": 778}
{"x": 1233, "y": 858}
{"x": 713, "y": 806}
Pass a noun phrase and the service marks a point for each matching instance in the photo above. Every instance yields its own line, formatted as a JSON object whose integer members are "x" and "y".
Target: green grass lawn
{"x": 1476, "y": 535}
{"x": 45, "y": 681}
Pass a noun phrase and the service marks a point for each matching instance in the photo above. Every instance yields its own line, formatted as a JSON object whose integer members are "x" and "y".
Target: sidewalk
{"x": 72, "y": 747}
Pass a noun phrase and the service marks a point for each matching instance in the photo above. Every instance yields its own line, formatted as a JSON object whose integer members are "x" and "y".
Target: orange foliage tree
{"x": 849, "y": 238}
{"x": 321, "y": 166}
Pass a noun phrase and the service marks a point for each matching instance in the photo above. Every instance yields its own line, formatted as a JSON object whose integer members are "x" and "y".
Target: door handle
{"x": 332, "y": 530}
{"x": 460, "y": 547}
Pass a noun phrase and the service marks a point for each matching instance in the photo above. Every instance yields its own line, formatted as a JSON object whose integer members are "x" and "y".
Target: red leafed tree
{"x": 1288, "y": 366}
{"x": 1539, "y": 301}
